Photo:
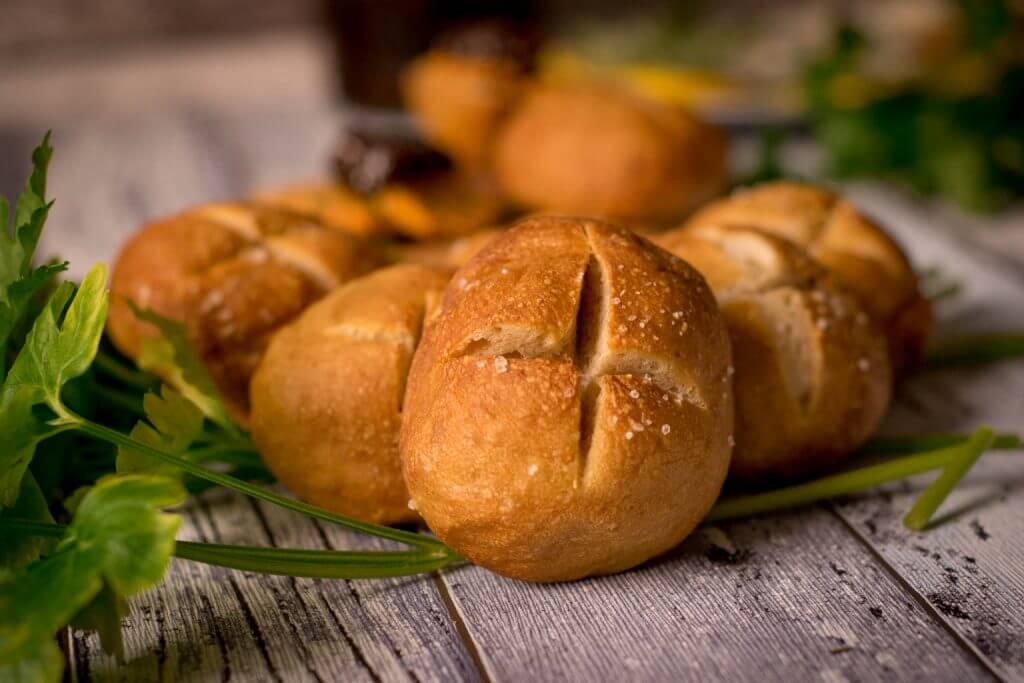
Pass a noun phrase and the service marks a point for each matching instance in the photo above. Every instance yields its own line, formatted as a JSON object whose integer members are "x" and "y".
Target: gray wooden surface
{"x": 834, "y": 592}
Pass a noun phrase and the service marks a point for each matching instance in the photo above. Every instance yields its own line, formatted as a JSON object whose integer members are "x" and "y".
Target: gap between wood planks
{"x": 462, "y": 628}
{"x": 928, "y": 607}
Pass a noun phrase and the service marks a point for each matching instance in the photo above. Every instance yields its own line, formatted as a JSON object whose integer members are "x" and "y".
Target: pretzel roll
{"x": 860, "y": 253}
{"x": 233, "y": 274}
{"x": 812, "y": 371}
{"x": 327, "y": 396}
{"x": 569, "y": 411}
{"x": 600, "y": 151}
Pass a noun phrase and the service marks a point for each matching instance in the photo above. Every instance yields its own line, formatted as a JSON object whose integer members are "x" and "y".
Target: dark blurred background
{"x": 925, "y": 93}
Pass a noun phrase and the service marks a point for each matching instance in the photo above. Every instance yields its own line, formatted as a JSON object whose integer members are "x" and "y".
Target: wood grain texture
{"x": 206, "y": 623}
{"x": 970, "y": 565}
{"x": 792, "y": 597}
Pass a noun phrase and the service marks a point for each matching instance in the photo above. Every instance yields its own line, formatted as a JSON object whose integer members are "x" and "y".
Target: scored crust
{"x": 233, "y": 273}
{"x": 860, "y": 253}
{"x": 600, "y": 151}
{"x": 569, "y": 412}
{"x": 812, "y": 373}
{"x": 327, "y": 396}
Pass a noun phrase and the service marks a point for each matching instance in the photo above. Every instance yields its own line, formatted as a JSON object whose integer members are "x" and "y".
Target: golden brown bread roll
{"x": 442, "y": 205}
{"x": 812, "y": 371}
{"x": 326, "y": 398}
{"x": 448, "y": 205}
{"x": 860, "y": 253}
{"x": 233, "y": 273}
{"x": 459, "y": 101}
{"x": 331, "y": 204}
{"x": 445, "y": 254}
{"x": 599, "y": 151}
{"x": 569, "y": 411}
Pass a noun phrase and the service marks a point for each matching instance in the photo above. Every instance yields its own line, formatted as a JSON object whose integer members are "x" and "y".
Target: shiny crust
{"x": 326, "y": 397}
{"x": 599, "y": 151}
{"x": 459, "y": 101}
{"x": 233, "y": 273}
{"x": 812, "y": 374}
{"x": 860, "y": 253}
{"x": 569, "y": 412}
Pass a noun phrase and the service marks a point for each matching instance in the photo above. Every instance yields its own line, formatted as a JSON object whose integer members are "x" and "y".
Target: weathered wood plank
{"x": 970, "y": 565}
{"x": 793, "y": 597}
{"x": 207, "y": 623}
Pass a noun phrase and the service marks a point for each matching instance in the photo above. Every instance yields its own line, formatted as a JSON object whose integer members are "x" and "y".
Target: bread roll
{"x": 860, "y": 253}
{"x": 569, "y": 412}
{"x": 445, "y": 206}
{"x": 233, "y": 273}
{"x": 812, "y": 371}
{"x": 327, "y": 396}
{"x": 331, "y": 204}
{"x": 600, "y": 151}
{"x": 460, "y": 99}
{"x": 445, "y": 254}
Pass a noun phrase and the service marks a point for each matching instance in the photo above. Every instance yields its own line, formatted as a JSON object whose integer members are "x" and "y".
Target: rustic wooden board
{"x": 793, "y": 597}
{"x": 831, "y": 593}
{"x": 970, "y": 566}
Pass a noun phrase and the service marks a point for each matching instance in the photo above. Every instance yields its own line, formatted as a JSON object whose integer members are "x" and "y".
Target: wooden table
{"x": 833, "y": 592}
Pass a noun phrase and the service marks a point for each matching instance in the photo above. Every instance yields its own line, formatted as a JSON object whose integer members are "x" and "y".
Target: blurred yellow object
{"x": 675, "y": 85}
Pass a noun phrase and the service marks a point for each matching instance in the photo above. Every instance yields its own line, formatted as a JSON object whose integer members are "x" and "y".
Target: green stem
{"x": 230, "y": 455}
{"x": 317, "y": 564}
{"x": 976, "y": 349}
{"x": 929, "y": 501}
{"x": 112, "y": 367}
{"x": 915, "y": 443}
{"x": 833, "y": 485}
{"x": 33, "y": 528}
{"x": 321, "y": 564}
{"x": 118, "y": 439}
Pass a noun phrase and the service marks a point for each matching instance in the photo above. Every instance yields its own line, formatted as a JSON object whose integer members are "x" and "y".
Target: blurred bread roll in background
{"x": 856, "y": 249}
{"x": 569, "y": 411}
{"x": 600, "y": 151}
{"x": 233, "y": 273}
{"x": 461, "y": 89}
{"x": 812, "y": 374}
{"x": 327, "y": 396}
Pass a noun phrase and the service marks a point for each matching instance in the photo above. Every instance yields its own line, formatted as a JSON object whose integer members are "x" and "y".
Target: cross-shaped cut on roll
{"x": 570, "y": 410}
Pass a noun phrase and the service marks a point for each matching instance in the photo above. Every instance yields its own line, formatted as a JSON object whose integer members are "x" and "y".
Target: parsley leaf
{"x": 119, "y": 543}
{"x": 18, "y": 281}
{"x": 174, "y": 424}
{"x": 172, "y": 357}
{"x": 16, "y": 549}
{"x": 59, "y": 347}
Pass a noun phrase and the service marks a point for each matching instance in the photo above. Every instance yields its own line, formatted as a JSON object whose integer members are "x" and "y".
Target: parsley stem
{"x": 315, "y": 564}
{"x": 915, "y": 443}
{"x": 112, "y": 367}
{"x": 976, "y": 349}
{"x": 118, "y": 439}
{"x": 320, "y": 564}
{"x": 929, "y": 501}
{"x": 836, "y": 484}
